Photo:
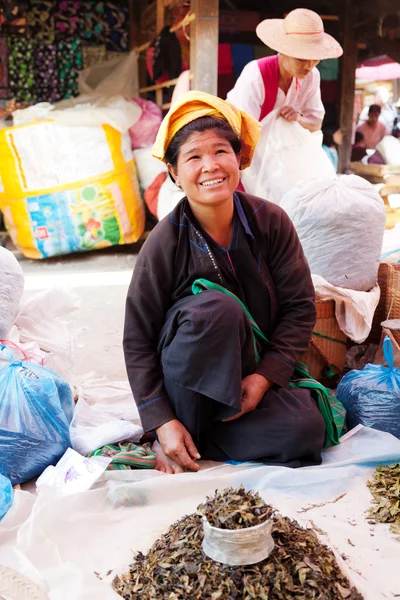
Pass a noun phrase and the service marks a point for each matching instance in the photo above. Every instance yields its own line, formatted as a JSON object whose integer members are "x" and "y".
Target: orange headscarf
{"x": 194, "y": 105}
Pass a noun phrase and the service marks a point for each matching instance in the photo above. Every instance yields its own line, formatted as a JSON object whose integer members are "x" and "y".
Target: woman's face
{"x": 207, "y": 169}
{"x": 297, "y": 67}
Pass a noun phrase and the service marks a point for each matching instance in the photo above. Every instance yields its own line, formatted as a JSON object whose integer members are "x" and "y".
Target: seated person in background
{"x": 358, "y": 151}
{"x": 332, "y": 138}
{"x": 373, "y": 130}
{"x": 202, "y": 382}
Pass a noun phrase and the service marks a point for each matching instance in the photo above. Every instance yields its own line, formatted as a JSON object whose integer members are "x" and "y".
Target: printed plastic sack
{"x": 36, "y": 408}
{"x": 6, "y": 495}
{"x": 11, "y": 289}
{"x": 340, "y": 224}
{"x": 68, "y": 188}
{"x": 292, "y": 154}
{"x": 372, "y": 396}
{"x": 144, "y": 132}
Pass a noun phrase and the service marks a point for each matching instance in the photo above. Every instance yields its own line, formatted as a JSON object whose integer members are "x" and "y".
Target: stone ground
{"x": 100, "y": 279}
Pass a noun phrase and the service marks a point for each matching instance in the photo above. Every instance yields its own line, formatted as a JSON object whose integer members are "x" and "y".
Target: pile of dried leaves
{"x": 175, "y": 568}
{"x": 385, "y": 488}
{"x": 235, "y": 509}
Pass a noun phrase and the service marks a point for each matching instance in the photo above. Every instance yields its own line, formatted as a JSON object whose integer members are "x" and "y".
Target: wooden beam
{"x": 378, "y": 7}
{"x": 160, "y": 22}
{"x": 204, "y": 45}
{"x": 349, "y": 65}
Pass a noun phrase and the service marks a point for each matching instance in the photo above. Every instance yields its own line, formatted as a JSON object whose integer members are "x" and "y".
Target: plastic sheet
{"x": 371, "y": 397}
{"x": 6, "y": 495}
{"x": 11, "y": 289}
{"x": 60, "y": 542}
{"x": 35, "y": 409}
{"x": 143, "y": 133}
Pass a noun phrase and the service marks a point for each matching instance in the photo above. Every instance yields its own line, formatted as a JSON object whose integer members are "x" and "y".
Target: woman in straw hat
{"x": 286, "y": 84}
{"x": 219, "y": 275}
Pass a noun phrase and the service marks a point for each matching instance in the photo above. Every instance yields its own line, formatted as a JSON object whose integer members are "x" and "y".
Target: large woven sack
{"x": 340, "y": 224}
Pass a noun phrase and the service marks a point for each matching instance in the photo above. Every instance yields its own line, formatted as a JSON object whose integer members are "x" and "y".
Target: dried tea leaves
{"x": 235, "y": 509}
{"x": 385, "y": 489}
{"x": 175, "y": 568}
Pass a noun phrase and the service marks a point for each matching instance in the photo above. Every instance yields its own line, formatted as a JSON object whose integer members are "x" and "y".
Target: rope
{"x": 15, "y": 586}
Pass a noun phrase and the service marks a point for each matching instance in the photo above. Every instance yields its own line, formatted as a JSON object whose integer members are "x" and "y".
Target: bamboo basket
{"x": 389, "y": 302}
{"x": 328, "y": 345}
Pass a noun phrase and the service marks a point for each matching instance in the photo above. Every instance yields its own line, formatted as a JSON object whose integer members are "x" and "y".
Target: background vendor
{"x": 287, "y": 84}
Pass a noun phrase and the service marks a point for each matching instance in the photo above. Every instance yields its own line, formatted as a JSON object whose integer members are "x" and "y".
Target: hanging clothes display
{"x": 40, "y": 21}
{"x": 94, "y": 55}
{"x": 117, "y": 19}
{"x": 5, "y": 91}
{"x": 66, "y": 18}
{"x": 93, "y": 28}
{"x": 13, "y": 16}
{"x": 167, "y": 57}
{"x": 69, "y": 63}
{"x": 21, "y": 69}
{"x": 46, "y": 73}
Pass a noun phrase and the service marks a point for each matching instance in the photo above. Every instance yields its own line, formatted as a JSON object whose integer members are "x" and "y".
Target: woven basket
{"x": 326, "y": 351}
{"x": 389, "y": 302}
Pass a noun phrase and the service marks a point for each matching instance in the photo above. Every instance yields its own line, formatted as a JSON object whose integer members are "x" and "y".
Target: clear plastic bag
{"x": 6, "y": 495}
{"x": 11, "y": 289}
{"x": 118, "y": 76}
{"x": 371, "y": 397}
{"x": 143, "y": 133}
{"x": 36, "y": 407}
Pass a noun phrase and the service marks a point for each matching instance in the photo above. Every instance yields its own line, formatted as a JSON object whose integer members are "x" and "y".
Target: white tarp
{"x": 60, "y": 542}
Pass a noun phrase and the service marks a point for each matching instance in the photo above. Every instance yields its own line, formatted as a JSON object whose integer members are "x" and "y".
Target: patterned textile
{"x": 5, "y": 91}
{"x": 69, "y": 63}
{"x": 94, "y": 55}
{"x": 117, "y": 19}
{"x": 21, "y": 69}
{"x": 126, "y": 456}
{"x": 13, "y": 16}
{"x": 40, "y": 20}
{"x": 46, "y": 74}
{"x": 66, "y": 18}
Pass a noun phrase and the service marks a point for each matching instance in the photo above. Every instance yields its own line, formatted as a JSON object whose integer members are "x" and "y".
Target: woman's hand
{"x": 288, "y": 113}
{"x": 253, "y": 389}
{"x": 178, "y": 446}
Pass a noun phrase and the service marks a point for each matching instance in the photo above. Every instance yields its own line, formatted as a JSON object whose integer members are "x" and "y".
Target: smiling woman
{"x": 202, "y": 383}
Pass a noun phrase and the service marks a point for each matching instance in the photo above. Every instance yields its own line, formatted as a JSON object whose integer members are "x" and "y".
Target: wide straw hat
{"x": 299, "y": 35}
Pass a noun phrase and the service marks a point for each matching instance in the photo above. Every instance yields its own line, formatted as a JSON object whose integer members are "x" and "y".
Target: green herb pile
{"x": 175, "y": 567}
{"x": 385, "y": 489}
{"x": 235, "y": 509}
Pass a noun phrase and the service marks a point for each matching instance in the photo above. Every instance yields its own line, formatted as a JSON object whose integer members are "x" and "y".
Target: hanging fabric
{"x": 69, "y": 63}
{"x": 46, "y": 73}
{"x": 5, "y": 91}
{"x": 21, "y": 69}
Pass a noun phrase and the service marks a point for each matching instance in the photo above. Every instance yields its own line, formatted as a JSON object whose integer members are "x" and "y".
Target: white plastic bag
{"x": 391, "y": 245}
{"x": 340, "y": 224}
{"x": 389, "y": 148}
{"x": 354, "y": 311}
{"x": 148, "y": 167}
{"x": 118, "y": 76}
{"x": 292, "y": 154}
{"x": 11, "y": 289}
{"x": 106, "y": 413}
{"x": 168, "y": 198}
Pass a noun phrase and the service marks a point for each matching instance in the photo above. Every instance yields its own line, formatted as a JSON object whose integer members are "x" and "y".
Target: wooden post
{"x": 136, "y": 37}
{"x": 160, "y": 22}
{"x": 349, "y": 66}
{"x": 204, "y": 46}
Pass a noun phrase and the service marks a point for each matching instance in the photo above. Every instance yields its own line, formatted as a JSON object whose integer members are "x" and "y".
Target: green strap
{"x": 327, "y": 337}
{"x": 330, "y": 407}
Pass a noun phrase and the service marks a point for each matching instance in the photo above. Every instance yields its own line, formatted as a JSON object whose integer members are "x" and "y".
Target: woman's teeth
{"x": 211, "y": 182}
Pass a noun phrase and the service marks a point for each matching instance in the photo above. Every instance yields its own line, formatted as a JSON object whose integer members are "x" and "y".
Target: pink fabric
{"x": 269, "y": 69}
{"x": 225, "y": 61}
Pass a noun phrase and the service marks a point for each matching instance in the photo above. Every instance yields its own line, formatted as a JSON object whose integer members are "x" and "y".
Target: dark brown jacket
{"x": 173, "y": 257}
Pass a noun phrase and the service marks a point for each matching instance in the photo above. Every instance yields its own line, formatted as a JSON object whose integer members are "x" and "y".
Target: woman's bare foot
{"x": 164, "y": 463}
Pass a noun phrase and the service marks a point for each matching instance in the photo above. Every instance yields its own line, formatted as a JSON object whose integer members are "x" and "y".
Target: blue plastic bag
{"x": 36, "y": 407}
{"x": 6, "y": 495}
{"x": 372, "y": 396}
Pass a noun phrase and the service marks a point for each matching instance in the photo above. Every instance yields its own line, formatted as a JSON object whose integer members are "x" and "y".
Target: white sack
{"x": 11, "y": 289}
{"x": 354, "y": 311}
{"x": 292, "y": 154}
{"x": 148, "y": 167}
{"x": 168, "y": 197}
{"x": 84, "y": 111}
{"x": 389, "y": 148}
{"x": 340, "y": 224}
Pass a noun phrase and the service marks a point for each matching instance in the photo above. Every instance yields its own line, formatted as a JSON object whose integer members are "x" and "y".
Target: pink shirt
{"x": 372, "y": 135}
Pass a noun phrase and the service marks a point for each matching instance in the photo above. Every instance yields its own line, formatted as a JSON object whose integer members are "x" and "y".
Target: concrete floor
{"x": 100, "y": 280}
